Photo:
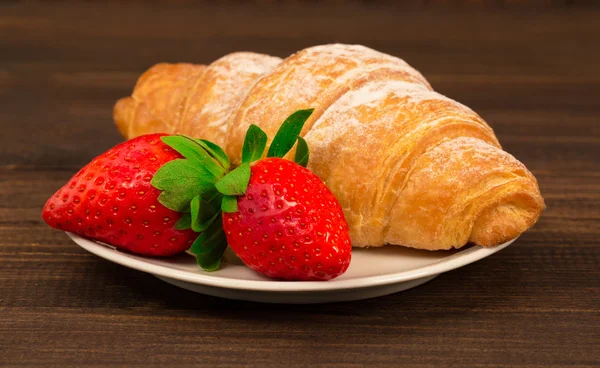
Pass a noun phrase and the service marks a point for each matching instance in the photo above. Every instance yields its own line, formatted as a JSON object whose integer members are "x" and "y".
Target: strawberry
{"x": 288, "y": 224}
{"x": 137, "y": 195}
{"x": 279, "y": 217}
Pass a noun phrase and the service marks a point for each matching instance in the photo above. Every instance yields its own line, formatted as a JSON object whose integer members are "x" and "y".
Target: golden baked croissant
{"x": 408, "y": 165}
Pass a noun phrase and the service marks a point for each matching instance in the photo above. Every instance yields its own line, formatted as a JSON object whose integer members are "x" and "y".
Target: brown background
{"x": 530, "y": 68}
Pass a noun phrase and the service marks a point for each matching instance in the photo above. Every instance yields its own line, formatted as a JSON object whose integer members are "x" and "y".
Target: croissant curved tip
{"x": 499, "y": 224}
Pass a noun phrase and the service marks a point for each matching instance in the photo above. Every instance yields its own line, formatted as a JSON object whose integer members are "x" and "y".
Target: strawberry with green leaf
{"x": 142, "y": 195}
{"x": 279, "y": 217}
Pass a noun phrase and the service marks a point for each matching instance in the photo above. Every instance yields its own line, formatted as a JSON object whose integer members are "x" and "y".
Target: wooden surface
{"x": 533, "y": 74}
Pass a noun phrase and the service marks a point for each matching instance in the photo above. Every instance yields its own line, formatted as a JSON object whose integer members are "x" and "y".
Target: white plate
{"x": 373, "y": 272}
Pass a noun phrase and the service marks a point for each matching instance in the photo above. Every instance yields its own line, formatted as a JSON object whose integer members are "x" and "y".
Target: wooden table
{"x": 533, "y": 74}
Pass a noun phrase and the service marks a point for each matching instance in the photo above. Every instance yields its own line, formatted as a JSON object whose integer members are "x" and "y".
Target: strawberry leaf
{"x": 302, "y": 153}
{"x": 215, "y": 151}
{"x": 254, "y": 144}
{"x": 236, "y": 182}
{"x": 212, "y": 196}
{"x": 288, "y": 133}
{"x": 184, "y": 223}
{"x": 193, "y": 151}
{"x": 181, "y": 180}
{"x": 229, "y": 204}
{"x": 206, "y": 265}
{"x": 202, "y": 214}
{"x": 210, "y": 246}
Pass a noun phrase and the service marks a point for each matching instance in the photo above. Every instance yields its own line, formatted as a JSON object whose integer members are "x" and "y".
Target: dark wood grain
{"x": 532, "y": 73}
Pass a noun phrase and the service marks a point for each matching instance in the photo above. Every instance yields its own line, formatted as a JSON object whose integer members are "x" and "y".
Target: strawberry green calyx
{"x": 203, "y": 214}
{"x": 236, "y": 182}
{"x": 288, "y": 133}
{"x": 233, "y": 184}
{"x": 302, "y": 154}
{"x": 188, "y": 185}
{"x": 184, "y": 222}
{"x": 210, "y": 246}
{"x": 229, "y": 204}
{"x": 181, "y": 180}
{"x": 215, "y": 151}
{"x": 254, "y": 144}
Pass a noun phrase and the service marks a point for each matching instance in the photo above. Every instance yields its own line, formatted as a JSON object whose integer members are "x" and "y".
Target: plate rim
{"x": 454, "y": 261}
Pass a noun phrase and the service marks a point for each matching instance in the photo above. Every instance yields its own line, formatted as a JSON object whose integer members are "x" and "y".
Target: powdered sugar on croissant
{"x": 408, "y": 165}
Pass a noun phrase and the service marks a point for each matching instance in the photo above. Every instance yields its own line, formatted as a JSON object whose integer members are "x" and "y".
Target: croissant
{"x": 408, "y": 165}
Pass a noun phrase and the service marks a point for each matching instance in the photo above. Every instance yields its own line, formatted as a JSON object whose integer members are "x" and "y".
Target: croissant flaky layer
{"x": 408, "y": 165}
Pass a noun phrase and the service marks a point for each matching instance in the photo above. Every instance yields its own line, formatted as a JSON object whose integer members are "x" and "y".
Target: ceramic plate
{"x": 373, "y": 272}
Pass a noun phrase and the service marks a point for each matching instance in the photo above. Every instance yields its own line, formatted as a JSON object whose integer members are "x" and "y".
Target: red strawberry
{"x": 113, "y": 200}
{"x": 279, "y": 217}
{"x": 288, "y": 224}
